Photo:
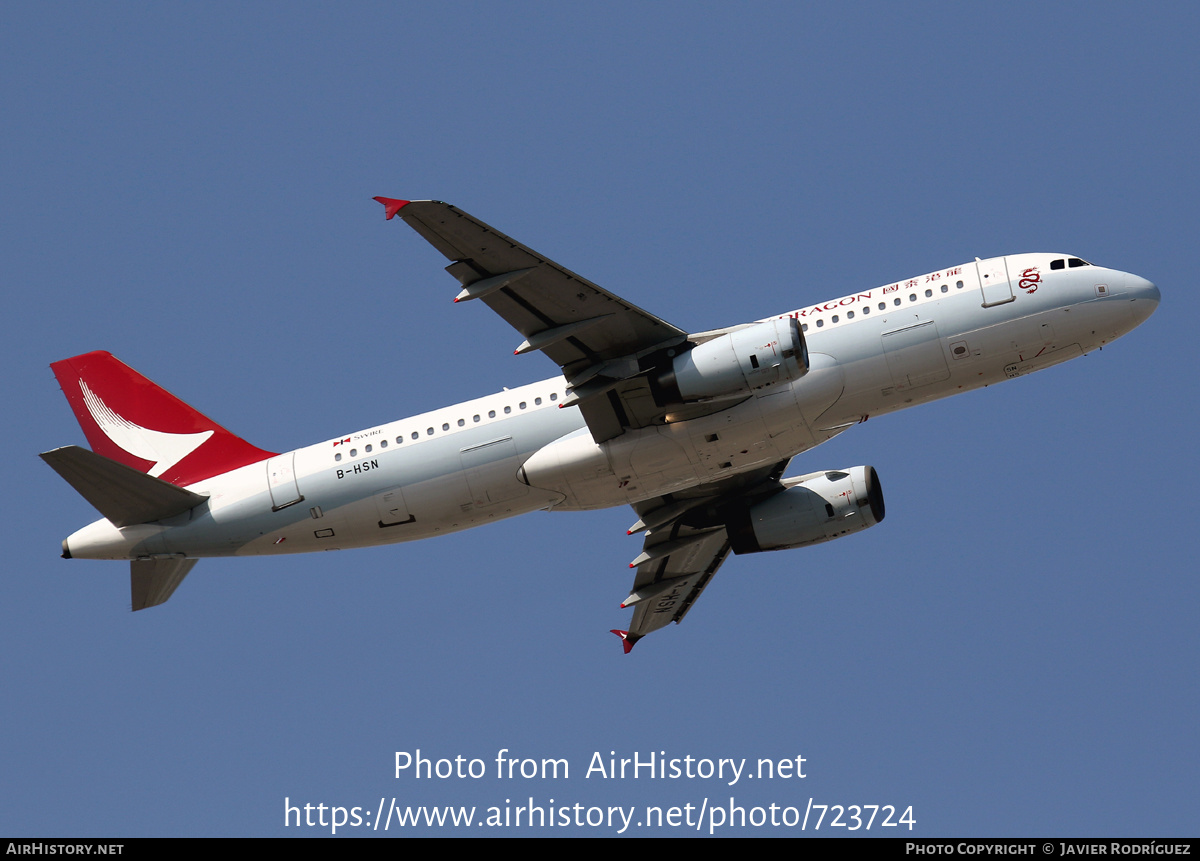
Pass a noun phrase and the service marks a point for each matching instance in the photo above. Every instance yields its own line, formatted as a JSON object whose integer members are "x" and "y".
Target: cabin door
{"x": 994, "y": 285}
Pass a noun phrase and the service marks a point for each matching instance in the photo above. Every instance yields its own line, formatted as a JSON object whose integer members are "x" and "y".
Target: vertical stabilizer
{"x": 133, "y": 421}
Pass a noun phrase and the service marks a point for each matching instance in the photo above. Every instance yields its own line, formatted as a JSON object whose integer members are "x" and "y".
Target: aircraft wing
{"x": 598, "y": 339}
{"x": 686, "y": 542}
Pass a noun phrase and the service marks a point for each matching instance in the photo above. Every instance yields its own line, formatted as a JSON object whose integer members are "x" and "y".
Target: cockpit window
{"x": 1058, "y": 264}
{"x": 1074, "y": 262}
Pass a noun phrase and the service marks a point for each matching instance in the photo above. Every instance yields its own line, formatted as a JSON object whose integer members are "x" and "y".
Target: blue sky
{"x": 1012, "y": 652}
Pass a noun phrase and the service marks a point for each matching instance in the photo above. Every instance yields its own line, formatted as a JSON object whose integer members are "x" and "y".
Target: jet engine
{"x": 811, "y": 509}
{"x": 735, "y": 365}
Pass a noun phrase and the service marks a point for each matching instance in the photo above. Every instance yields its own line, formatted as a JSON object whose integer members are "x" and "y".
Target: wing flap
{"x": 686, "y": 542}
{"x": 667, "y": 586}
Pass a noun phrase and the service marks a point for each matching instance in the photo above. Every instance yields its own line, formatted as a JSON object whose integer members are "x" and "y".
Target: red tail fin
{"x": 133, "y": 421}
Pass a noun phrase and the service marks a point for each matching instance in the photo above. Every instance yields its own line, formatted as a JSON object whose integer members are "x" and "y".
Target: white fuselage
{"x": 871, "y": 352}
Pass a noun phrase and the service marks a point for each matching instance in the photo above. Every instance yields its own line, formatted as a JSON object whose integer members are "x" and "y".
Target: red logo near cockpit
{"x": 1030, "y": 279}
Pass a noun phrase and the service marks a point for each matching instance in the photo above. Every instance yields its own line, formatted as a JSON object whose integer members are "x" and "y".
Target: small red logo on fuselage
{"x": 1030, "y": 279}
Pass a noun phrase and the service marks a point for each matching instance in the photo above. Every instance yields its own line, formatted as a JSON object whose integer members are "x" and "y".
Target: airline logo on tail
{"x": 132, "y": 420}
{"x": 162, "y": 449}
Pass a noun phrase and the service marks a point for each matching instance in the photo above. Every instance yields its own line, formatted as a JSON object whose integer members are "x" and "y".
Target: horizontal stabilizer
{"x": 153, "y": 581}
{"x": 126, "y": 496}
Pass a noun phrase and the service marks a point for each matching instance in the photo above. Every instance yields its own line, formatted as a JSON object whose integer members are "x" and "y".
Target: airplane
{"x": 694, "y": 431}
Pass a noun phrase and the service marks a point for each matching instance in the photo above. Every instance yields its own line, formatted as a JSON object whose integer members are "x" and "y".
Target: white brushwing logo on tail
{"x": 162, "y": 449}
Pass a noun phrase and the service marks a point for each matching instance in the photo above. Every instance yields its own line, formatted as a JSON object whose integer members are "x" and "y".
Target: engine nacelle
{"x": 814, "y": 508}
{"x": 735, "y": 365}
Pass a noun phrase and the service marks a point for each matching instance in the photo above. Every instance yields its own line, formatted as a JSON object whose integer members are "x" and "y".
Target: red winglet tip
{"x": 625, "y": 641}
{"x": 622, "y": 606}
{"x": 391, "y": 206}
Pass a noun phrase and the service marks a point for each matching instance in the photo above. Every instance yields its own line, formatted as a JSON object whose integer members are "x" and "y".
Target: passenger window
{"x": 554, "y": 396}
{"x": 354, "y": 452}
{"x": 803, "y": 327}
{"x": 399, "y": 440}
{"x": 820, "y": 323}
{"x": 368, "y": 449}
{"x": 445, "y": 426}
{"x": 912, "y": 297}
{"x": 897, "y": 301}
{"x": 537, "y": 401}
{"x": 337, "y": 456}
{"x": 882, "y": 305}
{"x": 383, "y": 443}
{"x": 462, "y": 422}
{"x": 928, "y": 293}
{"x": 428, "y": 431}
{"x": 866, "y": 309}
{"x": 507, "y": 410}
{"x": 521, "y": 405}
{"x": 849, "y": 315}
{"x": 835, "y": 318}
{"x": 945, "y": 288}
{"x": 958, "y": 286}
{"x": 475, "y": 417}
{"x": 415, "y": 435}
{"x": 491, "y": 414}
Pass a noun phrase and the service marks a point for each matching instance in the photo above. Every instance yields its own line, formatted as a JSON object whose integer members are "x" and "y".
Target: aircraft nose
{"x": 1140, "y": 288}
{"x": 1144, "y": 297}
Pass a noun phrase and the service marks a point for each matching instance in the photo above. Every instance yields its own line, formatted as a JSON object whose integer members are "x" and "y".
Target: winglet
{"x": 626, "y": 640}
{"x": 391, "y": 206}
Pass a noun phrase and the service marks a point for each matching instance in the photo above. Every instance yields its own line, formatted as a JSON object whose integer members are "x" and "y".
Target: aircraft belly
{"x": 926, "y": 360}
{"x": 821, "y": 390}
{"x": 737, "y": 439}
{"x": 404, "y": 493}
{"x": 914, "y": 356}
{"x": 490, "y": 469}
{"x": 648, "y": 462}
